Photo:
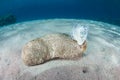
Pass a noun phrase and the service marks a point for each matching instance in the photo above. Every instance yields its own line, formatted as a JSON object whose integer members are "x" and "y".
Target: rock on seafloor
{"x": 7, "y": 19}
{"x": 51, "y": 46}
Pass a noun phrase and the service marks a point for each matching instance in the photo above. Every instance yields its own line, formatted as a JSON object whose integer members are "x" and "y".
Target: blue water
{"x": 101, "y": 10}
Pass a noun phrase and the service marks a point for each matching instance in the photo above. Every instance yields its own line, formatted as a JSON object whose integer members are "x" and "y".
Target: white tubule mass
{"x": 80, "y": 33}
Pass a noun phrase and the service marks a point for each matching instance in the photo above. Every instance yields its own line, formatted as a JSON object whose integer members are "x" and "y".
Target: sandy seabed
{"x": 101, "y": 60}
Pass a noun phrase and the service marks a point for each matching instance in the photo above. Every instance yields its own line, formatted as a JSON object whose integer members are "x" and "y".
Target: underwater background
{"x": 100, "y": 10}
{"x": 99, "y": 24}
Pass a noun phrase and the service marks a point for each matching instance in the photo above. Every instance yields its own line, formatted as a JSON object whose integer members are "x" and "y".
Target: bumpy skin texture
{"x": 49, "y": 47}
